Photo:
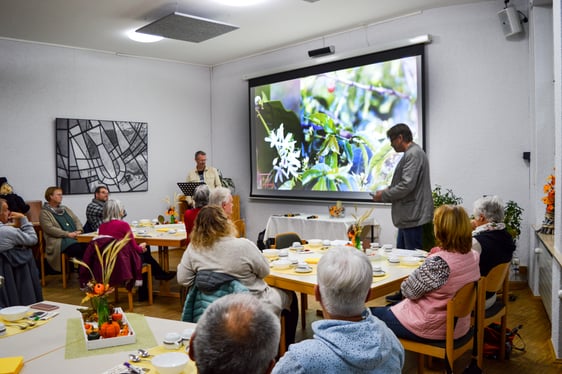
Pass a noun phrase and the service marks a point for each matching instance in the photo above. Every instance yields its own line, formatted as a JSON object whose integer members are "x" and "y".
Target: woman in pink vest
{"x": 421, "y": 315}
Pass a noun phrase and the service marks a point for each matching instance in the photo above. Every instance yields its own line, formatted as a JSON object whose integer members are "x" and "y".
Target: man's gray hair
{"x": 491, "y": 207}
{"x": 345, "y": 276}
{"x": 236, "y": 335}
{"x": 201, "y": 196}
{"x": 112, "y": 209}
{"x": 219, "y": 196}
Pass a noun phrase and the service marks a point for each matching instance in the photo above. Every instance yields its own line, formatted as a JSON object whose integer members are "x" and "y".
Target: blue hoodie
{"x": 366, "y": 346}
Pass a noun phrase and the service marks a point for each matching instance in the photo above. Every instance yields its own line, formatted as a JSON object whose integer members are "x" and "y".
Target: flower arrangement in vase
{"x": 356, "y": 228}
{"x": 107, "y": 324}
{"x": 337, "y": 211}
{"x": 548, "y": 223}
{"x": 171, "y": 211}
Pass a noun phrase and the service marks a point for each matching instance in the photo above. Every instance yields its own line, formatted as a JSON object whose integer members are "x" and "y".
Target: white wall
{"x": 39, "y": 83}
{"x": 477, "y": 111}
{"x": 477, "y": 108}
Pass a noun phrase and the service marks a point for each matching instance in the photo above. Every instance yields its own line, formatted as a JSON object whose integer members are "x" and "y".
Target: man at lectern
{"x": 204, "y": 173}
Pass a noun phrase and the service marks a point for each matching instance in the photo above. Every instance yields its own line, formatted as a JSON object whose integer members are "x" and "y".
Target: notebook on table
{"x": 188, "y": 188}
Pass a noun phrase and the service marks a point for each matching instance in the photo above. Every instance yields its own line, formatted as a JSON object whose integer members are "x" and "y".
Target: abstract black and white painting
{"x": 97, "y": 152}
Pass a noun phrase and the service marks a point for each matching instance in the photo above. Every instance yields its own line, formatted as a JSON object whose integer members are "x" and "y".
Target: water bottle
{"x": 515, "y": 264}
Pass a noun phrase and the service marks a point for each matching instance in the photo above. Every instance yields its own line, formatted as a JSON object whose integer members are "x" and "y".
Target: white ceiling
{"x": 268, "y": 25}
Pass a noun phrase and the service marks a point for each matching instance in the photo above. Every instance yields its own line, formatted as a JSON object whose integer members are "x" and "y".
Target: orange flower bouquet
{"x": 548, "y": 189}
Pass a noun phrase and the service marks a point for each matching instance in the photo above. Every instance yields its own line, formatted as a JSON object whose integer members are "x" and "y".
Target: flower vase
{"x": 358, "y": 243}
{"x": 102, "y": 308}
{"x": 548, "y": 224}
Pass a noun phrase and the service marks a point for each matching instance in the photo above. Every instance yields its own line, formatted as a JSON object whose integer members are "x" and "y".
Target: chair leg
{"x": 503, "y": 332}
{"x": 421, "y": 363}
{"x": 149, "y": 283}
{"x": 304, "y": 307}
{"x": 42, "y": 265}
{"x": 282, "y": 344}
{"x": 130, "y": 297}
{"x": 63, "y": 268}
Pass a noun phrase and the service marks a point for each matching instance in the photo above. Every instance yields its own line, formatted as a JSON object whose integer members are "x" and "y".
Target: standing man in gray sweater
{"x": 410, "y": 189}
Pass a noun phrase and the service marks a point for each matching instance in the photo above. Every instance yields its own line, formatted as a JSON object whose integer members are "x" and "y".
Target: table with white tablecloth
{"x": 319, "y": 227}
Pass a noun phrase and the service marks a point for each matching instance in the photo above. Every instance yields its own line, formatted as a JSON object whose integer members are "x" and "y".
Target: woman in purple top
{"x": 114, "y": 226}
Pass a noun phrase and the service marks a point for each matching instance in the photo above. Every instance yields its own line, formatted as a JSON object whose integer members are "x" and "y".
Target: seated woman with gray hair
{"x": 222, "y": 197}
{"x": 113, "y": 225}
{"x": 489, "y": 236}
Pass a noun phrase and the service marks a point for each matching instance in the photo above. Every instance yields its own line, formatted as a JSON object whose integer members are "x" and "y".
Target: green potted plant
{"x": 441, "y": 196}
{"x": 512, "y": 219}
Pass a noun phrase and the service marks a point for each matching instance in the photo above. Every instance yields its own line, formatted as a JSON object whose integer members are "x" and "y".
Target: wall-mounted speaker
{"x": 510, "y": 21}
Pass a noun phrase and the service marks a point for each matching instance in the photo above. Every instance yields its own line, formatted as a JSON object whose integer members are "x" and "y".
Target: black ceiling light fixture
{"x": 186, "y": 27}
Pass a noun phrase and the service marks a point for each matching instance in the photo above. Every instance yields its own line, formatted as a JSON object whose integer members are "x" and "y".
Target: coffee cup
{"x": 171, "y": 345}
{"x": 172, "y": 340}
{"x": 186, "y": 334}
{"x": 377, "y": 268}
{"x": 303, "y": 266}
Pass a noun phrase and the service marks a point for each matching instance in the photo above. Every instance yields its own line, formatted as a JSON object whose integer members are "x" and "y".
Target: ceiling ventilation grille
{"x": 186, "y": 27}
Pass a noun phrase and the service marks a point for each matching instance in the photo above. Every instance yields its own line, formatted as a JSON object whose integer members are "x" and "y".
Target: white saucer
{"x": 381, "y": 273}
{"x": 394, "y": 260}
{"x": 303, "y": 270}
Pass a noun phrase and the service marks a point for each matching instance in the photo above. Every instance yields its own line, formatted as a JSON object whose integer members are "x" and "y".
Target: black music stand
{"x": 188, "y": 188}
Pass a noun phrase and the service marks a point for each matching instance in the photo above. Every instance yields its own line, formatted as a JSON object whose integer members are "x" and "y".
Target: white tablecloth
{"x": 324, "y": 227}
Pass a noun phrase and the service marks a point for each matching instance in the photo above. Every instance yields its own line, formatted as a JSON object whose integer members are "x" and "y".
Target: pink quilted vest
{"x": 426, "y": 316}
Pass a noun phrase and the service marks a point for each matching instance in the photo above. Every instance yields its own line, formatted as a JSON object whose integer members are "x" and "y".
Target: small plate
{"x": 303, "y": 270}
{"x": 381, "y": 273}
{"x": 394, "y": 260}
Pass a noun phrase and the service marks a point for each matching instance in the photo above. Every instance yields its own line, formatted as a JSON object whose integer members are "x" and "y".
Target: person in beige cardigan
{"x": 60, "y": 228}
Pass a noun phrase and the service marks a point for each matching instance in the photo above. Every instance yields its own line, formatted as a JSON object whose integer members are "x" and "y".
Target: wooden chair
{"x": 146, "y": 268}
{"x": 496, "y": 281}
{"x": 39, "y": 249}
{"x": 461, "y": 305}
{"x": 284, "y": 240}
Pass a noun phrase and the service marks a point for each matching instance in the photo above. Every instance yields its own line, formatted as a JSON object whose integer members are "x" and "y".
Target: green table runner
{"x": 76, "y": 346}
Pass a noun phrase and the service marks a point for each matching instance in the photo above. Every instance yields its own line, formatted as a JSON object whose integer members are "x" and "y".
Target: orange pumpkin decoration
{"x": 99, "y": 289}
{"x": 110, "y": 329}
{"x": 117, "y": 317}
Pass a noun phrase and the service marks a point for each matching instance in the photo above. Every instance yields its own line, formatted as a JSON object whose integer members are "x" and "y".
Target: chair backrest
{"x": 463, "y": 303}
{"x": 496, "y": 277}
{"x": 34, "y": 210}
{"x": 285, "y": 239}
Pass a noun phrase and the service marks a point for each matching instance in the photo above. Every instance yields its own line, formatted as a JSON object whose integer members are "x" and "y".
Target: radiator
{"x": 545, "y": 280}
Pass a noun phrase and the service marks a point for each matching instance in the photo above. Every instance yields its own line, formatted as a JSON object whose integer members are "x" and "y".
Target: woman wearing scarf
{"x": 60, "y": 227}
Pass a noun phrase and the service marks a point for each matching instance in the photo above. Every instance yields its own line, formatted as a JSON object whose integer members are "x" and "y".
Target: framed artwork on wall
{"x": 90, "y": 153}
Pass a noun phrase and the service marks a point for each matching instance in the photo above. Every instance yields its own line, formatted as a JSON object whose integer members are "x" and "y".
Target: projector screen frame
{"x": 412, "y": 49}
